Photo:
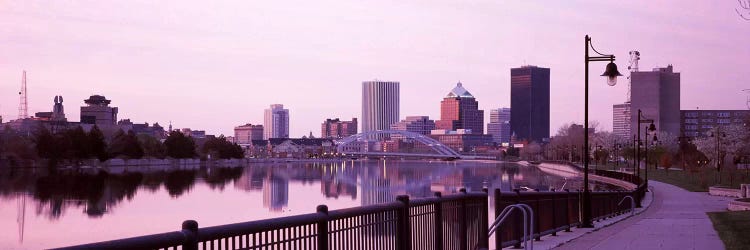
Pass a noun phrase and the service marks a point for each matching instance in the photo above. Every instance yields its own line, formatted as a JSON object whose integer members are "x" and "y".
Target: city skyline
{"x": 217, "y": 80}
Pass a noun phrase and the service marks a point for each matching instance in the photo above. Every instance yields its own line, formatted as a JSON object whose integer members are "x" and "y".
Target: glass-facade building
{"x": 460, "y": 110}
{"x": 529, "y": 100}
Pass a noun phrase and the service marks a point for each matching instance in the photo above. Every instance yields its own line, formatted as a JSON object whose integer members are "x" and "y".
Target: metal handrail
{"x": 632, "y": 204}
{"x": 528, "y": 218}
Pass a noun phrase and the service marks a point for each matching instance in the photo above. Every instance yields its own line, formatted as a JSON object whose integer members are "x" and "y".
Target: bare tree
{"x": 744, "y": 10}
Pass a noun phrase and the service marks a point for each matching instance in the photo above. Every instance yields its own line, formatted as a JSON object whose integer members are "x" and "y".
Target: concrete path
{"x": 676, "y": 219}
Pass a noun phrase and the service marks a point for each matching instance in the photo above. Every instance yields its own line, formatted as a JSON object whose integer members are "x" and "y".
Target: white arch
{"x": 439, "y": 148}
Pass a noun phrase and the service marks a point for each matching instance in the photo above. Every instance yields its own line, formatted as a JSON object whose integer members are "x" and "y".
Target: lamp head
{"x": 611, "y": 73}
{"x": 651, "y": 127}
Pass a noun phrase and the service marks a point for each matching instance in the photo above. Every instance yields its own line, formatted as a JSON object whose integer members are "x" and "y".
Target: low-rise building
{"x": 696, "y": 123}
{"x": 461, "y": 140}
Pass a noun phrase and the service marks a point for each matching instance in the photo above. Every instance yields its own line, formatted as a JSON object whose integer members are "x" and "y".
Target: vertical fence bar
{"x": 403, "y": 227}
{"x": 190, "y": 229}
{"x": 484, "y": 239}
{"x": 462, "y": 217}
{"x": 323, "y": 228}
{"x": 438, "y": 221}
{"x": 498, "y": 210}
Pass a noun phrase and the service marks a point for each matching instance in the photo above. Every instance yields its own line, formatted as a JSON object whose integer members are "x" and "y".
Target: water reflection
{"x": 280, "y": 186}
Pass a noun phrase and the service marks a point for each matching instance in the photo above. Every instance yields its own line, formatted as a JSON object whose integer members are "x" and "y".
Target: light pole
{"x": 682, "y": 140}
{"x": 611, "y": 73}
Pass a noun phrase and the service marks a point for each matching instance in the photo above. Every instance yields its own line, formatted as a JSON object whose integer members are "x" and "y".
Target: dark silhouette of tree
{"x": 179, "y": 146}
{"x": 16, "y": 147}
{"x": 220, "y": 148}
{"x": 125, "y": 145}
{"x": 179, "y": 181}
{"x": 53, "y": 147}
{"x": 79, "y": 143}
{"x": 97, "y": 144}
{"x": 152, "y": 147}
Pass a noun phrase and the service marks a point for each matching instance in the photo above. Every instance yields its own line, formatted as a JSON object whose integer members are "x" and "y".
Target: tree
{"x": 97, "y": 145}
{"x": 79, "y": 143}
{"x": 125, "y": 145}
{"x": 152, "y": 147}
{"x": 179, "y": 146}
{"x": 219, "y": 147}
{"x": 666, "y": 162}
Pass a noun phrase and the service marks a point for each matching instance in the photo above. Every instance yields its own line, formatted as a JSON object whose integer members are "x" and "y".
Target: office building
{"x": 621, "y": 120}
{"x": 529, "y": 100}
{"x": 416, "y": 124}
{"x": 380, "y": 105}
{"x": 97, "y": 111}
{"x": 697, "y": 123}
{"x": 499, "y": 126}
{"x": 244, "y": 134}
{"x": 276, "y": 122}
{"x": 460, "y": 110}
{"x": 335, "y": 128}
{"x": 657, "y": 94}
{"x": 461, "y": 140}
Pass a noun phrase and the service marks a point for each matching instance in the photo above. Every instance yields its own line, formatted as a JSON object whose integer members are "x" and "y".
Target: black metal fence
{"x": 457, "y": 221}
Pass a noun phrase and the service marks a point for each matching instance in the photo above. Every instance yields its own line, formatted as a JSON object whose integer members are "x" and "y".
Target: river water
{"x": 41, "y": 210}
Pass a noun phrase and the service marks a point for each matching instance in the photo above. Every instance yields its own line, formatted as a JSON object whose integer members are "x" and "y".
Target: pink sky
{"x": 208, "y": 65}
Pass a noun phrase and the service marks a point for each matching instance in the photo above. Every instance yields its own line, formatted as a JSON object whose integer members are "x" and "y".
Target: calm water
{"x": 39, "y": 210}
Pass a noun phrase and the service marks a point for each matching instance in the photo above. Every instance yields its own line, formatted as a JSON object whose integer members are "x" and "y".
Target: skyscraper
{"x": 380, "y": 105}
{"x": 499, "y": 126}
{"x": 657, "y": 95}
{"x": 459, "y": 110}
{"x": 276, "y": 122}
{"x": 529, "y": 100}
{"x": 621, "y": 120}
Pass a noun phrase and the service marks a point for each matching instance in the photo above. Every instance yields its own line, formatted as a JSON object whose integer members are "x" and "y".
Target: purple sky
{"x": 208, "y": 65}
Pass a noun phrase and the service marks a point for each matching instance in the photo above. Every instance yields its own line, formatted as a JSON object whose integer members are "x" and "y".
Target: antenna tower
{"x": 635, "y": 56}
{"x": 23, "y": 107}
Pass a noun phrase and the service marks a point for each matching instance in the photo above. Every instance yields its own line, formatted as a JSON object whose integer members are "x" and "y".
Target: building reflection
{"x": 275, "y": 191}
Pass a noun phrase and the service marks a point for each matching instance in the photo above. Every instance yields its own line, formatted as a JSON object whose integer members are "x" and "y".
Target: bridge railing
{"x": 457, "y": 221}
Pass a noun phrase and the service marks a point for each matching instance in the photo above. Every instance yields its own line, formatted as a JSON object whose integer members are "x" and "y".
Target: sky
{"x": 213, "y": 65}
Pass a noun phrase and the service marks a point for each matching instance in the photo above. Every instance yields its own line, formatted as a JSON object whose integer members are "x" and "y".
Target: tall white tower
{"x": 380, "y": 105}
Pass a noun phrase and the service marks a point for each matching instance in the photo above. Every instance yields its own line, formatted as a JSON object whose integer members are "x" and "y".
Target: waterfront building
{"x": 460, "y": 110}
{"x": 380, "y": 105}
{"x": 244, "y": 134}
{"x": 155, "y": 130}
{"x": 621, "y": 120}
{"x": 416, "y": 124}
{"x": 276, "y": 122}
{"x": 657, "y": 94}
{"x": 461, "y": 140}
{"x": 697, "y": 123}
{"x": 97, "y": 111}
{"x": 499, "y": 126}
{"x": 529, "y": 100}
{"x": 196, "y": 134}
{"x": 335, "y": 128}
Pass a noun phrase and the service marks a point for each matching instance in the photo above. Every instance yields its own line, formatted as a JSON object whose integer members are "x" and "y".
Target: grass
{"x": 700, "y": 179}
{"x": 733, "y": 228}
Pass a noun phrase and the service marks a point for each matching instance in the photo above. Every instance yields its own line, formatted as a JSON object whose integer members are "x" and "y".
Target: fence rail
{"x": 456, "y": 221}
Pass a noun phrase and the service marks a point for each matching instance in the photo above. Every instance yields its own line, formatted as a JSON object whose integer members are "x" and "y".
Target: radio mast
{"x": 635, "y": 56}
{"x": 23, "y": 107}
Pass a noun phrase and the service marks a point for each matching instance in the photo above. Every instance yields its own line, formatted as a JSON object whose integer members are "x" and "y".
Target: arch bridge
{"x": 416, "y": 145}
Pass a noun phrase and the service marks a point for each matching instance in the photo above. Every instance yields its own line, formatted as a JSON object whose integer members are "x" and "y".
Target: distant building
{"x": 380, "y": 105}
{"x": 417, "y": 124}
{"x": 696, "y": 123}
{"x": 276, "y": 122}
{"x": 335, "y": 128}
{"x": 460, "y": 110}
{"x": 156, "y": 130}
{"x": 499, "y": 126}
{"x": 461, "y": 140}
{"x": 621, "y": 120}
{"x": 197, "y": 134}
{"x": 657, "y": 95}
{"x": 529, "y": 100}
{"x": 244, "y": 134}
{"x": 97, "y": 111}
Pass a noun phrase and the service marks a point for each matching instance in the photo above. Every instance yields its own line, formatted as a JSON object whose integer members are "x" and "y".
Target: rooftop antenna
{"x": 23, "y": 107}
{"x": 635, "y": 56}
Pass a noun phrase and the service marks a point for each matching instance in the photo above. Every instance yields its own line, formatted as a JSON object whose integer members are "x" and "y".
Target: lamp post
{"x": 682, "y": 140}
{"x": 611, "y": 73}
{"x": 651, "y": 129}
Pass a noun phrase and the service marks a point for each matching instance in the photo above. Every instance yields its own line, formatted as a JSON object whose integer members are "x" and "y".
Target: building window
{"x": 724, "y": 121}
{"x": 691, "y": 114}
{"x": 723, "y": 114}
{"x": 691, "y": 127}
{"x": 707, "y": 127}
{"x": 707, "y": 120}
{"x": 691, "y": 121}
{"x": 708, "y": 114}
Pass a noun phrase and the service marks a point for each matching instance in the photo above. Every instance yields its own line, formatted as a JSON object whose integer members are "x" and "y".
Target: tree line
{"x": 76, "y": 144}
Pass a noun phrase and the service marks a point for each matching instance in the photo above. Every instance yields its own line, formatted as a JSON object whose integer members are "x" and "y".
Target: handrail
{"x": 528, "y": 232}
{"x": 632, "y": 204}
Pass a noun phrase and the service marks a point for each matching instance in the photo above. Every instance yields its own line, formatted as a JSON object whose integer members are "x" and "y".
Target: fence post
{"x": 323, "y": 228}
{"x": 462, "y": 232}
{"x": 403, "y": 227}
{"x": 484, "y": 239}
{"x": 498, "y": 238}
{"x": 439, "y": 221}
{"x": 554, "y": 199}
{"x": 190, "y": 229}
{"x": 567, "y": 210}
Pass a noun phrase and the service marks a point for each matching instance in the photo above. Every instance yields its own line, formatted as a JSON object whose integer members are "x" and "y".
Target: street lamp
{"x": 611, "y": 73}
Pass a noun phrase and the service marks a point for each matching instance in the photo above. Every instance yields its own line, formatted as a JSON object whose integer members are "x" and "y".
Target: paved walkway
{"x": 676, "y": 219}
